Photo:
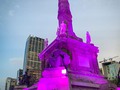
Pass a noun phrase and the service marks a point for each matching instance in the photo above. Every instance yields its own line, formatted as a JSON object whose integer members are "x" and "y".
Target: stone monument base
{"x": 54, "y": 79}
{"x": 90, "y": 81}
{"x": 20, "y": 87}
{"x": 57, "y": 79}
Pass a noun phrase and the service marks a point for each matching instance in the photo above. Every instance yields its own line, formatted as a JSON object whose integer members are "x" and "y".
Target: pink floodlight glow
{"x": 54, "y": 79}
{"x": 64, "y": 71}
{"x": 118, "y": 88}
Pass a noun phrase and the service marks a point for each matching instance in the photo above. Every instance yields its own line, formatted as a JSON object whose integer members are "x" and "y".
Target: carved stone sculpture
{"x": 63, "y": 28}
{"x": 88, "y": 38}
{"x": 58, "y": 58}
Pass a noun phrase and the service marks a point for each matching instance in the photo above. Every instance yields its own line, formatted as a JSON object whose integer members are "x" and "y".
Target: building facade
{"x": 10, "y": 83}
{"x": 19, "y": 75}
{"x": 32, "y": 64}
{"x": 110, "y": 70}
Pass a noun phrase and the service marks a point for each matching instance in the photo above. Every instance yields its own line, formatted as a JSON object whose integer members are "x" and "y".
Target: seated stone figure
{"x": 58, "y": 58}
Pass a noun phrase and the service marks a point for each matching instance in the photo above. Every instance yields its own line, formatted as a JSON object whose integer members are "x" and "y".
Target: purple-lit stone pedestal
{"x": 83, "y": 70}
{"x": 54, "y": 79}
{"x": 89, "y": 81}
{"x": 80, "y": 60}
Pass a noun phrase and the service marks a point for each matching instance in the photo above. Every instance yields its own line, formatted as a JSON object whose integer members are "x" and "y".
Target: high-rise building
{"x": 19, "y": 75}
{"x": 32, "y": 64}
{"x": 10, "y": 83}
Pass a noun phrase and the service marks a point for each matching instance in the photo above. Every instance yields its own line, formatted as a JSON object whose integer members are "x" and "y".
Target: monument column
{"x": 64, "y": 14}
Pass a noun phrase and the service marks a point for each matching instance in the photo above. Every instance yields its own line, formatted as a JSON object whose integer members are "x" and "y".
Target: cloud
{"x": 16, "y": 61}
{"x": 11, "y": 12}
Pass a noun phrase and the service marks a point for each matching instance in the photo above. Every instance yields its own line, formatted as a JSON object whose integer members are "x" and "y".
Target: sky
{"x": 21, "y": 18}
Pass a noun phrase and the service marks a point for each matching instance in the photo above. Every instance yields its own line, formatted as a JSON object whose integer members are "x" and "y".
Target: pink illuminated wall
{"x": 84, "y": 61}
{"x": 54, "y": 79}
